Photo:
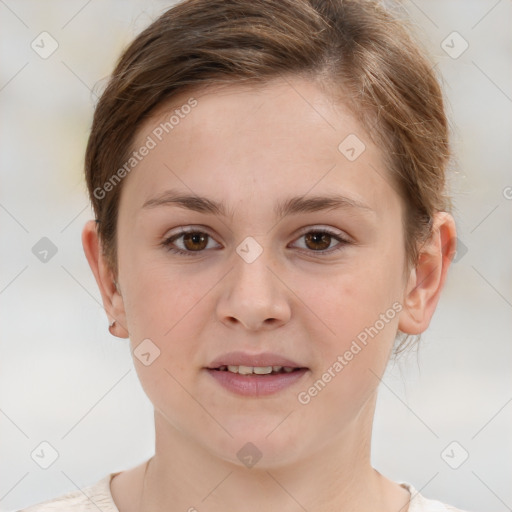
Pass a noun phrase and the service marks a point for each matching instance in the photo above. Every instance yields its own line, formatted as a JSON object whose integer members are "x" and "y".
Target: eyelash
{"x": 168, "y": 241}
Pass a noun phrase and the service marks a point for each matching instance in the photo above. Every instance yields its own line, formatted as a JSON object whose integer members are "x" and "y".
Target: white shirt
{"x": 98, "y": 497}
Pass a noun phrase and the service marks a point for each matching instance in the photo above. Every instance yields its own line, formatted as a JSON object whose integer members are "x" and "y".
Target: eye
{"x": 318, "y": 240}
{"x": 194, "y": 241}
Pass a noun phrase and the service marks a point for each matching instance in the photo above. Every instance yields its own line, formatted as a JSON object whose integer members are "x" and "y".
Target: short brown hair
{"x": 363, "y": 52}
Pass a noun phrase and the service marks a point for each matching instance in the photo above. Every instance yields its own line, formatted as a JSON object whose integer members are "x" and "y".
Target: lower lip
{"x": 256, "y": 385}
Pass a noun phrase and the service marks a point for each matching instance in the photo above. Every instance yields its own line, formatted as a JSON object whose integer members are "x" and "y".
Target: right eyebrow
{"x": 290, "y": 206}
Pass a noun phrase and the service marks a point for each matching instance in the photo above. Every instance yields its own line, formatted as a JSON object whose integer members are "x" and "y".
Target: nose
{"x": 254, "y": 296}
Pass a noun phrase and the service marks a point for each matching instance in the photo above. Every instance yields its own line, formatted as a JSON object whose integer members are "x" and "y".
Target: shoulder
{"x": 419, "y": 503}
{"x": 92, "y": 498}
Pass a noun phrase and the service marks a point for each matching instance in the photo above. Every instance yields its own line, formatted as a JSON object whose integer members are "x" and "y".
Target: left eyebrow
{"x": 290, "y": 206}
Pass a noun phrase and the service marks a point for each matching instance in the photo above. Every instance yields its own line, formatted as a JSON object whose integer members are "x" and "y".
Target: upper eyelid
{"x": 315, "y": 227}
{"x": 342, "y": 236}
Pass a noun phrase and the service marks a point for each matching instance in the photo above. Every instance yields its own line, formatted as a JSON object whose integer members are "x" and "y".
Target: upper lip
{"x": 246, "y": 359}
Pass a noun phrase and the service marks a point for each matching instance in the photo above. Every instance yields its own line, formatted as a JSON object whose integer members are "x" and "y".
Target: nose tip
{"x": 253, "y": 324}
{"x": 253, "y": 295}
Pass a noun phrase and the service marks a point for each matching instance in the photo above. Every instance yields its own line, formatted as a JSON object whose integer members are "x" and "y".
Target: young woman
{"x": 268, "y": 179}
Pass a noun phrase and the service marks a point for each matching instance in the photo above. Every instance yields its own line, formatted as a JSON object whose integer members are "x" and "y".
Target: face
{"x": 271, "y": 268}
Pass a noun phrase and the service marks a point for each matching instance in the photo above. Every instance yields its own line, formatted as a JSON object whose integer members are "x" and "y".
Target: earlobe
{"x": 427, "y": 278}
{"x": 110, "y": 294}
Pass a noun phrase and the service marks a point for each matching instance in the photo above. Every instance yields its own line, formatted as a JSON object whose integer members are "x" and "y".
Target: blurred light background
{"x": 65, "y": 380}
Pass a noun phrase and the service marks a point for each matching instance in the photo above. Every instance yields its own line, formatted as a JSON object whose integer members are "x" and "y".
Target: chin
{"x": 256, "y": 444}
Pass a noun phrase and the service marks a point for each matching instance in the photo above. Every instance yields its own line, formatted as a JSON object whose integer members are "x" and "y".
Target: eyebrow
{"x": 290, "y": 206}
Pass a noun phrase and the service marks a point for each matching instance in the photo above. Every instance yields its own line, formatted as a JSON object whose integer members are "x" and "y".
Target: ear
{"x": 110, "y": 293}
{"x": 427, "y": 279}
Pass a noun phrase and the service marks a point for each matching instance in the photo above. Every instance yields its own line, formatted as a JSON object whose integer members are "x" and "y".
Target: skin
{"x": 251, "y": 147}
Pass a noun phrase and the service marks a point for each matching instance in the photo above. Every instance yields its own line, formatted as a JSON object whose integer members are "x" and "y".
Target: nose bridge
{"x": 252, "y": 273}
{"x": 253, "y": 295}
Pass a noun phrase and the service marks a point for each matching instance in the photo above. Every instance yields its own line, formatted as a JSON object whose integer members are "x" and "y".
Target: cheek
{"x": 170, "y": 310}
{"x": 362, "y": 310}
{"x": 160, "y": 303}
{"x": 171, "y": 306}
{"x": 351, "y": 299}
{"x": 156, "y": 294}
{"x": 358, "y": 306}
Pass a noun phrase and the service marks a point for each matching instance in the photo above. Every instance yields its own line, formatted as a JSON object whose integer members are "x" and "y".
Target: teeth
{"x": 262, "y": 370}
{"x": 244, "y": 370}
{"x": 258, "y": 370}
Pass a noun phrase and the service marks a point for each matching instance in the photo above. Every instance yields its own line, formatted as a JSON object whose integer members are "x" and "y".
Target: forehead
{"x": 242, "y": 140}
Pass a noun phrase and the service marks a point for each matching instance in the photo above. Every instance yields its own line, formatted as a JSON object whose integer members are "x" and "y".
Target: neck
{"x": 338, "y": 475}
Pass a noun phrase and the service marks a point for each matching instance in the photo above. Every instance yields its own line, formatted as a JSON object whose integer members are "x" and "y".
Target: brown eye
{"x": 189, "y": 242}
{"x": 195, "y": 241}
{"x": 320, "y": 241}
{"x": 317, "y": 240}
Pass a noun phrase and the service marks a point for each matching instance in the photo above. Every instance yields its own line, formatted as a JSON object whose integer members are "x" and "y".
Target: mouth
{"x": 245, "y": 363}
{"x": 257, "y": 370}
{"x": 255, "y": 375}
